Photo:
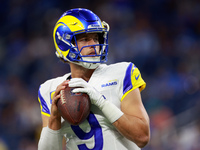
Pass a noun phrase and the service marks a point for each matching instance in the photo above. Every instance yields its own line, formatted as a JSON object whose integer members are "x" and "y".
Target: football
{"x": 74, "y": 107}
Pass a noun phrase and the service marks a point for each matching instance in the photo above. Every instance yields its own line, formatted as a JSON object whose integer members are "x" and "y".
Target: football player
{"x": 117, "y": 119}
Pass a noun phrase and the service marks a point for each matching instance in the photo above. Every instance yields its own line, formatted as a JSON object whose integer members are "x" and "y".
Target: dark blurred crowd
{"x": 162, "y": 38}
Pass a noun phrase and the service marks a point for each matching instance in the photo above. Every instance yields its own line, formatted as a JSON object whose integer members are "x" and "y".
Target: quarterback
{"x": 117, "y": 119}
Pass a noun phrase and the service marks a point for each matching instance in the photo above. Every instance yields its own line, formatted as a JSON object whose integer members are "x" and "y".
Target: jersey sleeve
{"x": 132, "y": 80}
{"x": 44, "y": 104}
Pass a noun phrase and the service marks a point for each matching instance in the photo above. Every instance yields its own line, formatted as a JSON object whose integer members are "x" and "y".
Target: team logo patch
{"x": 109, "y": 83}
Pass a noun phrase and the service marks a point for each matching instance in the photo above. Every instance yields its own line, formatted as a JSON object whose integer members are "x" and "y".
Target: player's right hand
{"x": 56, "y": 97}
{"x": 55, "y": 117}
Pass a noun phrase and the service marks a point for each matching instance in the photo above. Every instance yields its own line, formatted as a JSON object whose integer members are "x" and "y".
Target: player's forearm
{"x": 54, "y": 123}
{"x": 134, "y": 129}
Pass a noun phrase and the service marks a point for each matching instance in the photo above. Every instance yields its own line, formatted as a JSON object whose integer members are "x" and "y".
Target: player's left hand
{"x": 111, "y": 112}
{"x": 95, "y": 96}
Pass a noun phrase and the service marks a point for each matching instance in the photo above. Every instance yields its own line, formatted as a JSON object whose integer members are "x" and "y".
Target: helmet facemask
{"x": 99, "y": 53}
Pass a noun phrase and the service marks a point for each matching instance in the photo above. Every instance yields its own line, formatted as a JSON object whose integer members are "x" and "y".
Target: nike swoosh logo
{"x": 136, "y": 77}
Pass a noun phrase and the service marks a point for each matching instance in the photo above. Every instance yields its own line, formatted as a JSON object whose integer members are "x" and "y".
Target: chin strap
{"x": 89, "y": 65}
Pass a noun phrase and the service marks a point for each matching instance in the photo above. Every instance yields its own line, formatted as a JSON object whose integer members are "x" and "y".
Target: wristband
{"x": 111, "y": 111}
{"x": 50, "y": 139}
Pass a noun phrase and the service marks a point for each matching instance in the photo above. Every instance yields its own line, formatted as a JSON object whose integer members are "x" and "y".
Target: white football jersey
{"x": 97, "y": 133}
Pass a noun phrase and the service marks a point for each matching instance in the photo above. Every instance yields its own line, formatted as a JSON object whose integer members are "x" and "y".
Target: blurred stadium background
{"x": 162, "y": 37}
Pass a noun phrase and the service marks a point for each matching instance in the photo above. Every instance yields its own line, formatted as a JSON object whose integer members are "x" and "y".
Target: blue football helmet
{"x": 78, "y": 21}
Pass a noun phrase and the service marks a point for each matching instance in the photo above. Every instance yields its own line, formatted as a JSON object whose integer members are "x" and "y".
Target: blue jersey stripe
{"x": 45, "y": 108}
{"x": 127, "y": 80}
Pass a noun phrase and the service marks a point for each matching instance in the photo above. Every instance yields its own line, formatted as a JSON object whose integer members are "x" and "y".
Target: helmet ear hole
{"x": 101, "y": 38}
